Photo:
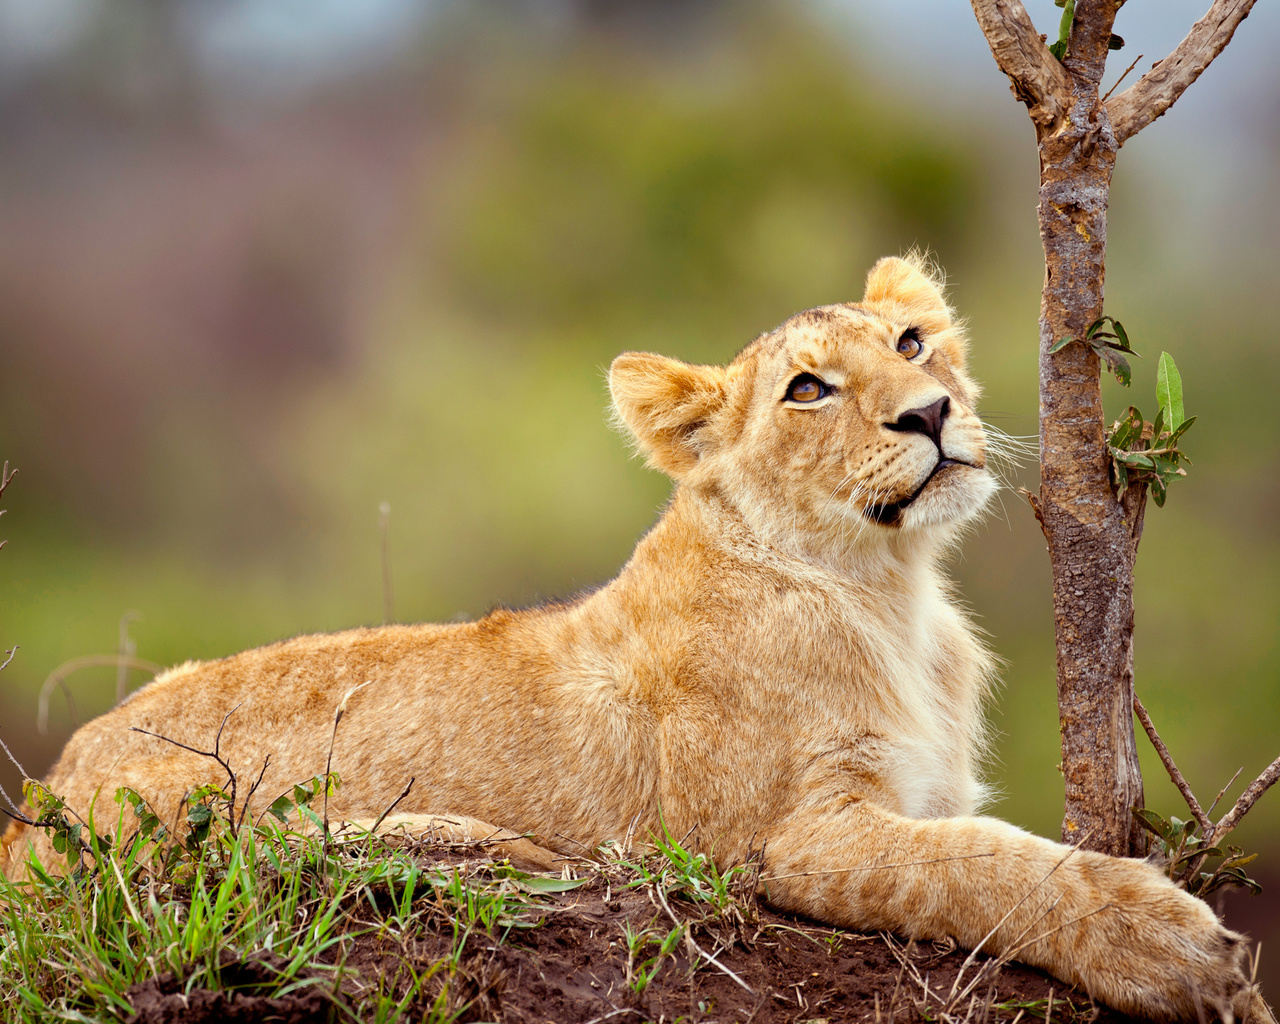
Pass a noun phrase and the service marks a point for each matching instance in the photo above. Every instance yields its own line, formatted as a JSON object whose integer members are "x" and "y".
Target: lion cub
{"x": 779, "y": 664}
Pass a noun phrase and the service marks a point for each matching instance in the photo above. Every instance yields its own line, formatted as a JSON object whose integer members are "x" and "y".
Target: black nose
{"x": 927, "y": 420}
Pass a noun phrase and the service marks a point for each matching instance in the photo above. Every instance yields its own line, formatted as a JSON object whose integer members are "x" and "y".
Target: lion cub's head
{"x": 847, "y": 422}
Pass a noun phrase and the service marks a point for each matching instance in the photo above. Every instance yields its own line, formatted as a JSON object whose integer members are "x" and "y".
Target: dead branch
{"x": 1166, "y": 759}
{"x": 1035, "y": 75}
{"x": 9, "y": 657}
{"x": 216, "y": 755}
{"x": 1157, "y": 90}
{"x": 6, "y": 474}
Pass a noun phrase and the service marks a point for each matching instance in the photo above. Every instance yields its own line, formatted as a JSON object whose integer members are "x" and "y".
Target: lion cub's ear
{"x": 666, "y": 405}
{"x": 909, "y": 284}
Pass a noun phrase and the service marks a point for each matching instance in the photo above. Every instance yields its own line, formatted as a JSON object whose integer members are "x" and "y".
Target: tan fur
{"x": 773, "y": 666}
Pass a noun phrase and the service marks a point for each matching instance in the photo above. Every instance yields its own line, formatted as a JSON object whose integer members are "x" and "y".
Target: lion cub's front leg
{"x": 1115, "y": 927}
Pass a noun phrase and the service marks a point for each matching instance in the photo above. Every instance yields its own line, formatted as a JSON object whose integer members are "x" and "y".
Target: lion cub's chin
{"x": 954, "y": 496}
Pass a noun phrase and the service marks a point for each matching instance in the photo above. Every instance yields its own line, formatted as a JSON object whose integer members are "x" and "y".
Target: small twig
{"x": 392, "y": 806}
{"x": 1247, "y": 799}
{"x": 1166, "y": 759}
{"x": 1104, "y": 99}
{"x": 6, "y": 474}
{"x": 215, "y": 754}
{"x": 1224, "y": 789}
{"x": 126, "y": 649}
{"x": 688, "y": 937}
{"x": 906, "y": 955}
{"x": 9, "y": 657}
{"x": 875, "y": 867}
{"x": 253, "y": 789}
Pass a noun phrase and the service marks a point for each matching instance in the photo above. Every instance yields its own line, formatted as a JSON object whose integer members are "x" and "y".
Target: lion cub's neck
{"x": 839, "y": 651}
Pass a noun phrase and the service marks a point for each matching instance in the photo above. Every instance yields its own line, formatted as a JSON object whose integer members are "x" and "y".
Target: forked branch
{"x": 1157, "y": 90}
{"x": 1037, "y": 78}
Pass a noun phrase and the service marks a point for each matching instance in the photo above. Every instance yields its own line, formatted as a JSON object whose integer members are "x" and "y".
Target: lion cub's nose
{"x": 927, "y": 420}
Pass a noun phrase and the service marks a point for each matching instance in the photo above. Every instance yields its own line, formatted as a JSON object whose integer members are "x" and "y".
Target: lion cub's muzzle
{"x": 928, "y": 420}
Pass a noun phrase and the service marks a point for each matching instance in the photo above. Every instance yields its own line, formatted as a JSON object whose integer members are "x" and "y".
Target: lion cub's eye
{"x": 909, "y": 344}
{"x": 807, "y": 388}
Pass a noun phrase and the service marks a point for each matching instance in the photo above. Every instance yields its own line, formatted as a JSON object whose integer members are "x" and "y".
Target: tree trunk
{"x": 1093, "y": 538}
{"x": 1092, "y": 542}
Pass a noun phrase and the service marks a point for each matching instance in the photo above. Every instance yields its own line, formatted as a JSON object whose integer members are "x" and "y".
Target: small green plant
{"x": 1110, "y": 346}
{"x": 1148, "y": 453}
{"x": 640, "y": 973}
{"x": 1182, "y": 848}
{"x": 1141, "y": 452}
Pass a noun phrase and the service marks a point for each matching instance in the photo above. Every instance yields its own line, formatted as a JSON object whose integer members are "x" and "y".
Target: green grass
{"x": 123, "y": 915}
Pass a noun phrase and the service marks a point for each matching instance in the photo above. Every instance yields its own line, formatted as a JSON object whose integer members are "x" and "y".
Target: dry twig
{"x": 1166, "y": 759}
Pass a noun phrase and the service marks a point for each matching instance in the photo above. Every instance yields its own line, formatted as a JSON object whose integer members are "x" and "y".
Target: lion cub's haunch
{"x": 779, "y": 664}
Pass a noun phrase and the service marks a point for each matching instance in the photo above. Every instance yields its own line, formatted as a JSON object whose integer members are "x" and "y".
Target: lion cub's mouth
{"x": 890, "y": 512}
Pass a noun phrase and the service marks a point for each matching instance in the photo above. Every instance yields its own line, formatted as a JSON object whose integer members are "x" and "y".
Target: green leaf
{"x": 1169, "y": 390}
{"x": 1060, "y": 344}
{"x": 1135, "y": 459}
{"x": 1059, "y": 49}
{"x": 281, "y": 808}
{"x": 1122, "y": 480}
{"x": 1157, "y": 428}
{"x": 1119, "y": 364}
{"x": 1179, "y": 431}
{"x": 1153, "y": 823}
{"x": 1124, "y": 337}
{"x": 199, "y": 814}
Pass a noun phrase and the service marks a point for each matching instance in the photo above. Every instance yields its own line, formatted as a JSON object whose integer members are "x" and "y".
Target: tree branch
{"x": 1157, "y": 90}
{"x": 1166, "y": 759}
{"x": 1037, "y": 79}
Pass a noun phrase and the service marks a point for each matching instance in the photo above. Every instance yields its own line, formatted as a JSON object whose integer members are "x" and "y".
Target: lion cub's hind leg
{"x": 450, "y": 829}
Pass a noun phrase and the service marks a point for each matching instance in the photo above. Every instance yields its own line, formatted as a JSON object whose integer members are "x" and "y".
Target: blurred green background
{"x": 264, "y": 267}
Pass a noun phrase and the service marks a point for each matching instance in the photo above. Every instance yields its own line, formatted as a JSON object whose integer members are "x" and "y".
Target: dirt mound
{"x": 250, "y": 994}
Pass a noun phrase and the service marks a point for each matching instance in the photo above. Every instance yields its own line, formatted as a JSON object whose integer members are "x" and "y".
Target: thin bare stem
{"x": 388, "y": 597}
{"x": 1166, "y": 759}
{"x": 216, "y": 755}
{"x": 1247, "y": 799}
{"x": 1157, "y": 90}
{"x": 1223, "y": 790}
{"x": 9, "y": 657}
{"x": 392, "y": 806}
{"x": 1123, "y": 75}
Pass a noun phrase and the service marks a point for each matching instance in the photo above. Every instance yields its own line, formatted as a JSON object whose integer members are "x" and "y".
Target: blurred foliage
{"x": 603, "y": 190}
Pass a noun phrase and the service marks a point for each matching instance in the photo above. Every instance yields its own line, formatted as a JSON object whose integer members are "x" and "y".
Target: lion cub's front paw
{"x": 1167, "y": 957}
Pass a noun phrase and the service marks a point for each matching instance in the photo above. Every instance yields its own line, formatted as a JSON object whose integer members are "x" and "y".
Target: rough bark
{"x": 1092, "y": 537}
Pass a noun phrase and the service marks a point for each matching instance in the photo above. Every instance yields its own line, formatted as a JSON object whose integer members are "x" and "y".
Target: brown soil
{"x": 574, "y": 968}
